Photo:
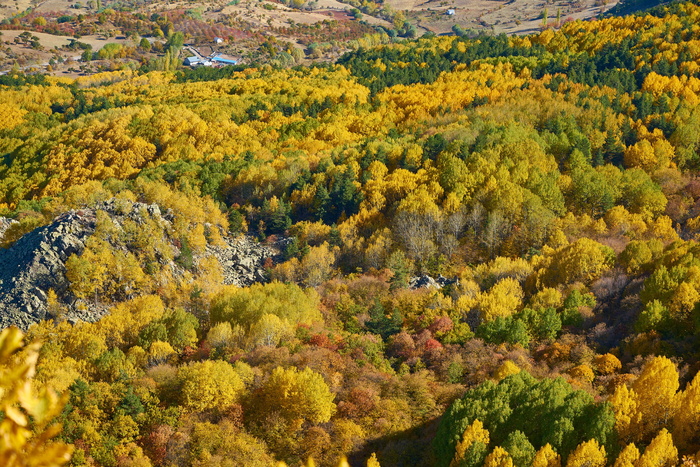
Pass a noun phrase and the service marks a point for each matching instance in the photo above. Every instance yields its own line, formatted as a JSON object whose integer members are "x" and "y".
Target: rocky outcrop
{"x": 425, "y": 281}
{"x": 243, "y": 260}
{"x": 36, "y": 263}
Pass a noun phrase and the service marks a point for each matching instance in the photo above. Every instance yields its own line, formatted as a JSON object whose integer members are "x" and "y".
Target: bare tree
{"x": 416, "y": 231}
{"x": 451, "y": 229}
{"x": 497, "y": 228}
{"x": 475, "y": 218}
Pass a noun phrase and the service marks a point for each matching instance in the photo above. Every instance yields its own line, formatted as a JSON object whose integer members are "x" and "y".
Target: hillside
{"x": 549, "y": 181}
{"x": 43, "y": 262}
{"x": 70, "y": 39}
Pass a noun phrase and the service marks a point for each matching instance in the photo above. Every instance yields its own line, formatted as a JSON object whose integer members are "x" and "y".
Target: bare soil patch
{"x": 498, "y": 16}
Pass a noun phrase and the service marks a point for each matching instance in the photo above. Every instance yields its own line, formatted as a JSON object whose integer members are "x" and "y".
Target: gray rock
{"x": 425, "y": 281}
{"x": 36, "y": 262}
{"x": 243, "y": 260}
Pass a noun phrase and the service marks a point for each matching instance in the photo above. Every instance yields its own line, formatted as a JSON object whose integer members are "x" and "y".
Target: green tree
{"x": 520, "y": 449}
{"x": 566, "y": 417}
{"x": 245, "y": 306}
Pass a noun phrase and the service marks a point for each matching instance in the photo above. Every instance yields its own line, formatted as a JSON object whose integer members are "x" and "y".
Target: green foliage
{"x": 521, "y": 328}
{"x": 380, "y": 323}
{"x": 519, "y": 448}
{"x": 517, "y": 165}
{"x": 177, "y": 327}
{"x": 246, "y": 306}
{"x": 110, "y": 51}
{"x": 566, "y": 417}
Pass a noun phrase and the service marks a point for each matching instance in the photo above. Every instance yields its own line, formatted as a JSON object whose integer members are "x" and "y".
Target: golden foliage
{"x": 26, "y": 430}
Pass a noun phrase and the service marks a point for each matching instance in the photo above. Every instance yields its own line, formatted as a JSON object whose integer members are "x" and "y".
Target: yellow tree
{"x": 546, "y": 457}
{"x": 641, "y": 155}
{"x": 473, "y": 433}
{"x": 660, "y": 453}
{"x": 587, "y": 454}
{"x": 607, "y": 364}
{"x": 499, "y": 457}
{"x": 656, "y": 395}
{"x": 297, "y": 396}
{"x": 628, "y": 456}
{"x": 687, "y": 419}
{"x": 504, "y": 299}
{"x": 317, "y": 265}
{"x": 627, "y": 414}
{"x": 373, "y": 461}
{"x": 584, "y": 260}
{"x": 87, "y": 272}
{"x": 506, "y": 369}
{"x": 209, "y": 385}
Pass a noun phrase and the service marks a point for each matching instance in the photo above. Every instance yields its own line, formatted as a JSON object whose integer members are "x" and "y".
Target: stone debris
{"x": 425, "y": 281}
{"x": 243, "y": 260}
{"x": 36, "y": 262}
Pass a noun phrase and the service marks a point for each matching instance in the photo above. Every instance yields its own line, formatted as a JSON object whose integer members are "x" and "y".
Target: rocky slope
{"x": 36, "y": 263}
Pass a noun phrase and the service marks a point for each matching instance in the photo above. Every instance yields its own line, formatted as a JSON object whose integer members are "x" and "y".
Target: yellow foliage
{"x": 317, "y": 266}
{"x": 607, "y": 364}
{"x": 547, "y": 298}
{"x": 506, "y": 369}
{"x": 122, "y": 325}
{"x": 372, "y": 461}
{"x": 499, "y": 457}
{"x": 628, "y": 456}
{"x": 656, "y": 394}
{"x": 297, "y": 396}
{"x": 582, "y": 373}
{"x": 660, "y": 453}
{"x": 627, "y": 415}
{"x": 160, "y": 352}
{"x": 587, "y": 454}
{"x": 23, "y": 443}
{"x": 502, "y": 300}
{"x": 687, "y": 418}
{"x": 10, "y": 115}
{"x": 473, "y": 433}
{"x": 584, "y": 260}
{"x": 546, "y": 456}
{"x": 209, "y": 385}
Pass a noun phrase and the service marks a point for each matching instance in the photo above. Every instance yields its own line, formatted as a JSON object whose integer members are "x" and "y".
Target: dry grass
{"x": 510, "y": 17}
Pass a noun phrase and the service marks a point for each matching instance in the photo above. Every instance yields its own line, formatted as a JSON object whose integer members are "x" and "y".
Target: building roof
{"x": 224, "y": 60}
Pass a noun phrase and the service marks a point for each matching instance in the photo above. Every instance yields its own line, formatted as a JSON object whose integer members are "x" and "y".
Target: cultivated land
{"x": 317, "y": 30}
{"x": 510, "y": 17}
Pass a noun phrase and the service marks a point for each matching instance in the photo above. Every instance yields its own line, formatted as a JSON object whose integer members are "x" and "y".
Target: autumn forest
{"x": 545, "y": 187}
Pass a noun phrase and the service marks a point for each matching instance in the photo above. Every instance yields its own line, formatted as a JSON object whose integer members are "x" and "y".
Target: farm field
{"x": 255, "y": 31}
